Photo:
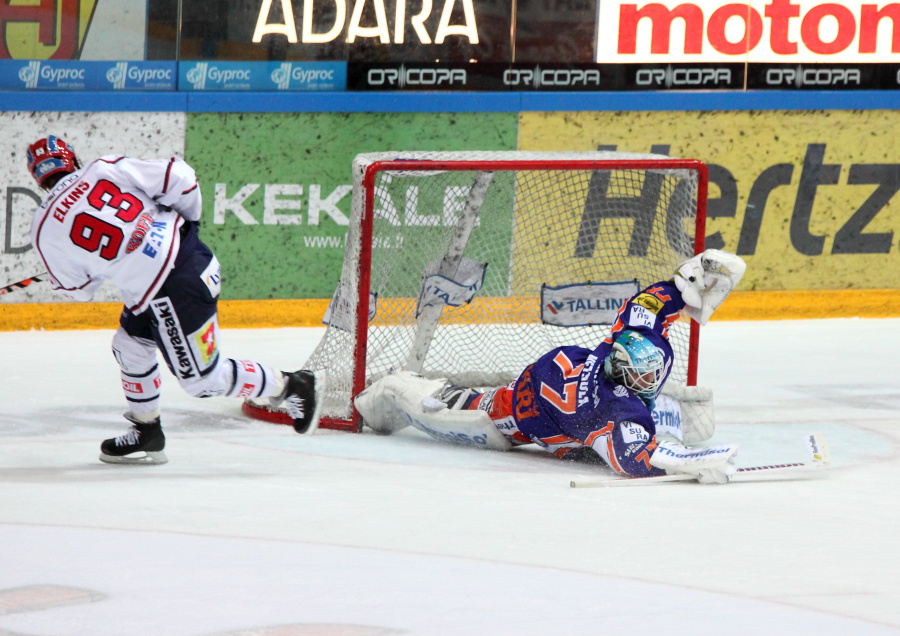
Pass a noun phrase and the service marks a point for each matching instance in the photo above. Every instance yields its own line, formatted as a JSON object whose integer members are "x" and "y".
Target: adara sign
{"x": 352, "y": 29}
{"x": 766, "y": 31}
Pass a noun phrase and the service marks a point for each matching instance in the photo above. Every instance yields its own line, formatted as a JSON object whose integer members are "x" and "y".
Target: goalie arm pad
{"x": 706, "y": 280}
{"x": 709, "y": 465}
{"x": 407, "y": 399}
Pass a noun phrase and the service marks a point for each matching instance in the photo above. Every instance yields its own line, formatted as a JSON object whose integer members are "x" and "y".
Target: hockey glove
{"x": 706, "y": 280}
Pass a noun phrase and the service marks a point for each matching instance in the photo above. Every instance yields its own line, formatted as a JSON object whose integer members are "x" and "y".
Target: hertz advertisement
{"x": 809, "y": 199}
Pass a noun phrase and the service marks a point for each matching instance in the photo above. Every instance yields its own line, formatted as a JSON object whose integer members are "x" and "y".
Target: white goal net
{"x": 471, "y": 265}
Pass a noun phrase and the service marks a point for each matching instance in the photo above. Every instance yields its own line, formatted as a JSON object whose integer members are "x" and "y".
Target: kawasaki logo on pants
{"x": 177, "y": 350}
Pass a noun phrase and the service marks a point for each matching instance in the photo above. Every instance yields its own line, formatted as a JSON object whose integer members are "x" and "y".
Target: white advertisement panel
{"x": 755, "y": 31}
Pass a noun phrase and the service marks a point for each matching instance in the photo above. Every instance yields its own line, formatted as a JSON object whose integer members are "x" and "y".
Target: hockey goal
{"x": 471, "y": 265}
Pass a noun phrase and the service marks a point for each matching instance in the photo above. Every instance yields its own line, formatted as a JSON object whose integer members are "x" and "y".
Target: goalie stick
{"x": 820, "y": 457}
{"x": 22, "y": 284}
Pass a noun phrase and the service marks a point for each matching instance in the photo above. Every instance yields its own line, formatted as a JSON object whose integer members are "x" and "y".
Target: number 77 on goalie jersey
{"x": 573, "y": 398}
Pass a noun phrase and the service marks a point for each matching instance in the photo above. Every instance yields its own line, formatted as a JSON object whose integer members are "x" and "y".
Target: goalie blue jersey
{"x": 564, "y": 401}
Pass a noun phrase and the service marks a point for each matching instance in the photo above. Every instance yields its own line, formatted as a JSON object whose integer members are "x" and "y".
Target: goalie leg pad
{"x": 379, "y": 406}
{"x": 407, "y": 399}
{"x": 685, "y": 414}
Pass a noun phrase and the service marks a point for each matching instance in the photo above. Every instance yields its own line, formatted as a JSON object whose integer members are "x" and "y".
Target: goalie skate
{"x": 142, "y": 444}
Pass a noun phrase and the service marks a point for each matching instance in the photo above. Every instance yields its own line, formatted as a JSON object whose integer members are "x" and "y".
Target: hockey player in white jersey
{"x": 134, "y": 223}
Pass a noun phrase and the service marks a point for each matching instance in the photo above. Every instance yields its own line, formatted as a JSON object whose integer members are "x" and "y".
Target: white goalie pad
{"x": 685, "y": 413}
{"x": 706, "y": 280}
{"x": 406, "y": 399}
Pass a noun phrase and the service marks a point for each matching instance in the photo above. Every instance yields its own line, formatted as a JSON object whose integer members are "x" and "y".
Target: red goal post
{"x": 470, "y": 265}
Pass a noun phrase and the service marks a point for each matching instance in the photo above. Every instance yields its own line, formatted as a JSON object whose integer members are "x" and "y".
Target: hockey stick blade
{"x": 815, "y": 443}
{"x": 22, "y": 284}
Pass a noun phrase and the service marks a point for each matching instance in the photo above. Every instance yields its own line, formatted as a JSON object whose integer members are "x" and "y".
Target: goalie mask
{"x": 48, "y": 157}
{"x": 636, "y": 364}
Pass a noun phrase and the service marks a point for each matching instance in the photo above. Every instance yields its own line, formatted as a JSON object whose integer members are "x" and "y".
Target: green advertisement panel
{"x": 807, "y": 198}
{"x": 277, "y": 186}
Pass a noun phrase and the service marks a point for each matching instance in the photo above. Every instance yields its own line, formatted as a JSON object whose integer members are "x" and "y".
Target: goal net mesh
{"x": 478, "y": 263}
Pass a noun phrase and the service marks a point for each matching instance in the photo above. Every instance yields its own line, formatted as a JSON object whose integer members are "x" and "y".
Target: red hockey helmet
{"x": 51, "y": 156}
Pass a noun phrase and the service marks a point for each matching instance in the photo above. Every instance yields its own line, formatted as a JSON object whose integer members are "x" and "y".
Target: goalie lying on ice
{"x": 605, "y": 404}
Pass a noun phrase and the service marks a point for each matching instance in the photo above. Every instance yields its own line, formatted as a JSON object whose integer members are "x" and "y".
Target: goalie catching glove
{"x": 706, "y": 280}
{"x": 710, "y": 465}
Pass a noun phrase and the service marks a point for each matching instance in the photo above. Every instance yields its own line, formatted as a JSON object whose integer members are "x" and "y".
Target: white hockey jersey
{"x": 116, "y": 219}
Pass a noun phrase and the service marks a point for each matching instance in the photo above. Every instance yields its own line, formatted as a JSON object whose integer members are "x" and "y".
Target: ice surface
{"x": 252, "y": 529}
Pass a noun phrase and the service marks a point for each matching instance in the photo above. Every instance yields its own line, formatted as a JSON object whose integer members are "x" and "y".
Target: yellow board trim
{"x": 259, "y": 314}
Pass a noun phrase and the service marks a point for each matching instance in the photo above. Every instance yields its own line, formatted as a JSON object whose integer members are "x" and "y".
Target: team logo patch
{"x": 640, "y": 316}
{"x": 205, "y": 341}
{"x": 212, "y": 277}
{"x": 650, "y": 302}
{"x": 632, "y": 433}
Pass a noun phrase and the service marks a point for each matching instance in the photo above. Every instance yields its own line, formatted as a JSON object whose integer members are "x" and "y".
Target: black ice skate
{"x": 142, "y": 444}
{"x": 301, "y": 399}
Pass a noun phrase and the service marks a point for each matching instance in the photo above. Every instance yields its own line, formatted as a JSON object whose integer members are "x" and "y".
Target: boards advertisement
{"x": 808, "y": 198}
{"x": 276, "y": 187}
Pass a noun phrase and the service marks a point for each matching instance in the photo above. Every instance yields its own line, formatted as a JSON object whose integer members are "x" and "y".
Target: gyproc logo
{"x": 30, "y": 74}
{"x": 138, "y": 75}
{"x": 36, "y": 72}
{"x": 305, "y": 76}
{"x": 197, "y": 76}
{"x": 116, "y": 75}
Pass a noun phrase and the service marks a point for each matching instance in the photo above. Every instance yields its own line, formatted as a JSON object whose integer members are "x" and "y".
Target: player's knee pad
{"x": 134, "y": 355}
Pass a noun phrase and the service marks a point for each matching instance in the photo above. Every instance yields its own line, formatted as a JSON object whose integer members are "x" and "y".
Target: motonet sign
{"x": 767, "y": 31}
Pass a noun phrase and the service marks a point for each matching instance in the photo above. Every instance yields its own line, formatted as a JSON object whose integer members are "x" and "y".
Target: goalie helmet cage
{"x": 540, "y": 221}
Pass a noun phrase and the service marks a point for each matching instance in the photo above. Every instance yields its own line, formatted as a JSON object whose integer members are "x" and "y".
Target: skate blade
{"x": 148, "y": 458}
